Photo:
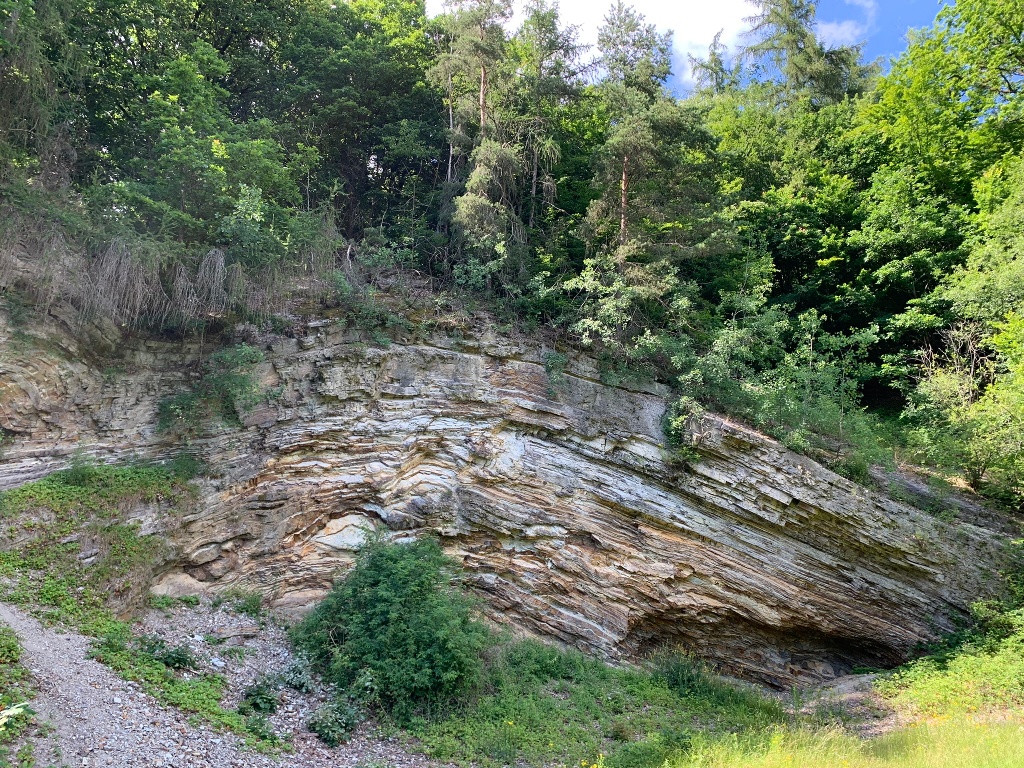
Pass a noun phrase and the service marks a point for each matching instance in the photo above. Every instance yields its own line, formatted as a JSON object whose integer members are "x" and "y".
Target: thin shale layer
{"x": 553, "y": 491}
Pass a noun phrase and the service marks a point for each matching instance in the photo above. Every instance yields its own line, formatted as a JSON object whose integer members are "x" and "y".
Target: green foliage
{"x": 260, "y": 697}
{"x": 10, "y": 647}
{"x": 16, "y": 691}
{"x": 237, "y": 652}
{"x": 260, "y": 733}
{"x": 793, "y": 379}
{"x": 243, "y": 601}
{"x": 334, "y": 722}
{"x": 199, "y": 694}
{"x": 691, "y": 678}
{"x": 52, "y": 520}
{"x": 176, "y": 657}
{"x": 367, "y": 310}
{"x": 967, "y": 408}
{"x": 945, "y": 744}
{"x": 397, "y": 623}
{"x": 227, "y": 389}
{"x": 554, "y": 367}
{"x": 977, "y": 678}
{"x": 542, "y": 705}
{"x": 783, "y": 32}
{"x": 794, "y": 233}
{"x": 977, "y": 670}
{"x": 87, "y": 487}
{"x": 166, "y": 603}
{"x": 298, "y": 675}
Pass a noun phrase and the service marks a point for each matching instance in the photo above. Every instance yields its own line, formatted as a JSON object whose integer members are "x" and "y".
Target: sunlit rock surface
{"x": 553, "y": 491}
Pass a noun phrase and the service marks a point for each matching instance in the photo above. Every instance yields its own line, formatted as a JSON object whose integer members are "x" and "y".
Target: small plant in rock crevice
{"x": 227, "y": 389}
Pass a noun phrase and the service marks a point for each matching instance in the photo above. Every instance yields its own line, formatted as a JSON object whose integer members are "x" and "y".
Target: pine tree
{"x": 783, "y": 33}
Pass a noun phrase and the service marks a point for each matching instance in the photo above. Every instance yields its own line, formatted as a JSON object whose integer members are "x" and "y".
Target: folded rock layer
{"x": 552, "y": 490}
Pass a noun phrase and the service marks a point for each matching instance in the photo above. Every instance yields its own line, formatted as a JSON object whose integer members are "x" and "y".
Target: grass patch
{"x": 948, "y": 744}
{"x": 16, "y": 690}
{"x": 543, "y": 705}
{"x": 983, "y": 672}
{"x": 967, "y": 698}
{"x": 67, "y": 557}
{"x": 245, "y": 602}
{"x": 156, "y": 669}
{"x": 99, "y": 489}
{"x": 978, "y": 670}
{"x": 66, "y": 554}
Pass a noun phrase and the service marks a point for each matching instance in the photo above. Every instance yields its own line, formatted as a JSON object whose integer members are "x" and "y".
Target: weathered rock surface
{"x": 554, "y": 494}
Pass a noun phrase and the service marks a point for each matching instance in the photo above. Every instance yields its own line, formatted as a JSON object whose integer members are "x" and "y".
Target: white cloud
{"x": 870, "y": 8}
{"x": 850, "y": 31}
{"x": 836, "y": 33}
{"x": 693, "y": 22}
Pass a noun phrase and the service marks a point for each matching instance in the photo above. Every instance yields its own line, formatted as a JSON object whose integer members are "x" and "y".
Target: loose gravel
{"x": 95, "y": 718}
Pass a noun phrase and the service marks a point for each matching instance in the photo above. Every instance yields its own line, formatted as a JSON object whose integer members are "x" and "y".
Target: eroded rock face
{"x": 554, "y": 494}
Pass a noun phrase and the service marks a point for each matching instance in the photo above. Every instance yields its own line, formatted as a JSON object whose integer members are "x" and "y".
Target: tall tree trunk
{"x": 533, "y": 184}
{"x": 451, "y": 129}
{"x": 623, "y": 199}
{"x": 483, "y": 98}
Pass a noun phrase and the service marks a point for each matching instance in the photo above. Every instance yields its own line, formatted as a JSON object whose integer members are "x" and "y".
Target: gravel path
{"x": 99, "y": 719}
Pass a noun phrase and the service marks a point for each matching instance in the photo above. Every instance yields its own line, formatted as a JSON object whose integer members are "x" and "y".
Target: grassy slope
{"x": 541, "y": 706}
{"x": 966, "y": 703}
{"x": 42, "y": 527}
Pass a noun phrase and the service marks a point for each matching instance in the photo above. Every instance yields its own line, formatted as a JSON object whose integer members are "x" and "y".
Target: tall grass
{"x": 951, "y": 743}
{"x": 540, "y": 705}
{"x": 983, "y": 676}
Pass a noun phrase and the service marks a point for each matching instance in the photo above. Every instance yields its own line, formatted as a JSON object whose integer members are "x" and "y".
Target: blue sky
{"x": 881, "y": 24}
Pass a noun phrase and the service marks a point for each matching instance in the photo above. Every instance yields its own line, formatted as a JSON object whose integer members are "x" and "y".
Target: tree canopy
{"x": 801, "y": 241}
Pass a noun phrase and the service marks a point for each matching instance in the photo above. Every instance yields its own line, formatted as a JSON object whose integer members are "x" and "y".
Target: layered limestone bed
{"x": 553, "y": 491}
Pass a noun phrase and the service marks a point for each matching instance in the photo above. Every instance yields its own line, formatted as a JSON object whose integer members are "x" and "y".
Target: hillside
{"x": 726, "y": 383}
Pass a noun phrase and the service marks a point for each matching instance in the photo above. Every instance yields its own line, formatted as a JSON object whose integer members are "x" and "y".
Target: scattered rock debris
{"x": 95, "y": 718}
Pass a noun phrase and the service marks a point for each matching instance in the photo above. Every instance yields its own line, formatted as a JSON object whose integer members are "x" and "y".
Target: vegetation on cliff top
{"x": 797, "y": 239}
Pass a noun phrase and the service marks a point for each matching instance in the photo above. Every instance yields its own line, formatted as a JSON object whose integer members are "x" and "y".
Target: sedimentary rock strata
{"x": 554, "y": 492}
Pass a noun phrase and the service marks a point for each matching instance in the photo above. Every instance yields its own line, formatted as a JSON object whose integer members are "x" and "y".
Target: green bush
{"x": 397, "y": 623}
{"x": 298, "y": 676}
{"x": 246, "y": 602}
{"x": 335, "y": 722}
{"x": 10, "y": 648}
{"x": 172, "y": 657}
{"x": 260, "y": 697}
{"x": 227, "y": 389}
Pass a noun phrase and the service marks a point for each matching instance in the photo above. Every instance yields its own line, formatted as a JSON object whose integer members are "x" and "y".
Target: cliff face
{"x": 554, "y": 493}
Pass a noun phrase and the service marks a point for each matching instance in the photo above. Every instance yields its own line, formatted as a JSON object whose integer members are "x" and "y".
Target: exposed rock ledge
{"x": 555, "y": 496}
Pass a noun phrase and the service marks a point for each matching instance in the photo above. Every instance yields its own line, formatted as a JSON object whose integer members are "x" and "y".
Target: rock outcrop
{"x": 554, "y": 492}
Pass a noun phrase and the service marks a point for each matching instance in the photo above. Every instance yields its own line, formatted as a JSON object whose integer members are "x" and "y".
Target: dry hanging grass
{"x": 124, "y": 288}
